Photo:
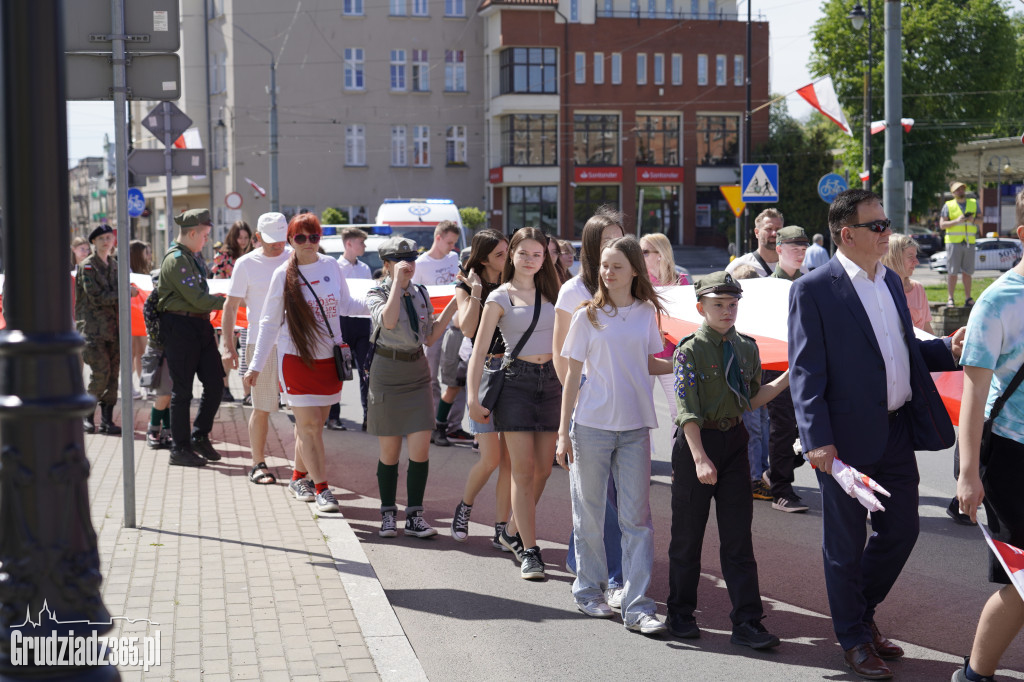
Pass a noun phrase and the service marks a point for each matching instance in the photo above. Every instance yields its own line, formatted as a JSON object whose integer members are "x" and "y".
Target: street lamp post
{"x": 275, "y": 204}
{"x": 857, "y": 17}
{"x": 1001, "y": 163}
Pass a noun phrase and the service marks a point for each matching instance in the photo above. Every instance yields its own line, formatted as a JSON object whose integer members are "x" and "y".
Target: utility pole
{"x": 275, "y": 204}
{"x": 894, "y": 192}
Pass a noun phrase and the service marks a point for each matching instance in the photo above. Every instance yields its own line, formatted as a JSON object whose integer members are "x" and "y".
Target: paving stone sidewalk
{"x": 242, "y": 582}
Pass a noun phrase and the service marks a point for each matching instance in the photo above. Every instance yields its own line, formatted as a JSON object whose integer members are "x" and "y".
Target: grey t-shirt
{"x": 516, "y": 320}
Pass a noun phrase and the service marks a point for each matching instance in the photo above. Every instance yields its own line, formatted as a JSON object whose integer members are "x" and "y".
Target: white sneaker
{"x": 595, "y": 608}
{"x": 647, "y": 625}
{"x": 613, "y": 597}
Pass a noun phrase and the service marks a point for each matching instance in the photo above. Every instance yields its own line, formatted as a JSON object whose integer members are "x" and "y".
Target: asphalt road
{"x": 470, "y": 617}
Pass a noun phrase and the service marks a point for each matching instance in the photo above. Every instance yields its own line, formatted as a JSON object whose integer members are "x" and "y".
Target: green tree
{"x": 333, "y": 216}
{"x": 472, "y": 217}
{"x": 958, "y": 57}
{"x": 1013, "y": 98}
{"x": 804, "y": 154}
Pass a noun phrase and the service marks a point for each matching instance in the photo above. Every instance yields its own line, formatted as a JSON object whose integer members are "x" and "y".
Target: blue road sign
{"x": 136, "y": 202}
{"x": 760, "y": 182}
{"x": 830, "y": 185}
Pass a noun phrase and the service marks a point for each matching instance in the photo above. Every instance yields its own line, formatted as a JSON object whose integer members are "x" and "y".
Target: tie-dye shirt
{"x": 995, "y": 340}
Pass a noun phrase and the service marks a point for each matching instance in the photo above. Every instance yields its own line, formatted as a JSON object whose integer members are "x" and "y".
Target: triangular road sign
{"x": 734, "y": 195}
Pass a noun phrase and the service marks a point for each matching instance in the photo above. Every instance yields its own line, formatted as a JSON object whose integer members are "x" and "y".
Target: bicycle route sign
{"x": 760, "y": 182}
{"x": 830, "y": 185}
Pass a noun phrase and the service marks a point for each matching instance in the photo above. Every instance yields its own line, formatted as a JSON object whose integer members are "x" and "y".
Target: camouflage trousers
{"x": 103, "y": 357}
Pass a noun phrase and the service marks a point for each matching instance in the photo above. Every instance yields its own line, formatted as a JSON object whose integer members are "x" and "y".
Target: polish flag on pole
{"x": 1012, "y": 559}
{"x": 865, "y": 176}
{"x": 879, "y": 126}
{"x": 821, "y": 95}
{"x": 259, "y": 190}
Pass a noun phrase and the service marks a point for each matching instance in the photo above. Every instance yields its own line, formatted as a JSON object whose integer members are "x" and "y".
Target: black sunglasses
{"x": 301, "y": 238}
{"x": 875, "y": 225}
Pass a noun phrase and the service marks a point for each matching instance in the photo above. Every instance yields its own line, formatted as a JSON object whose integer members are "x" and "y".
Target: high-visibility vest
{"x": 956, "y": 234}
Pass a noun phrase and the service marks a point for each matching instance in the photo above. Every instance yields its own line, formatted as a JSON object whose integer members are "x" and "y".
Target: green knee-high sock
{"x": 154, "y": 419}
{"x": 416, "y": 482}
{"x": 443, "y": 409}
{"x": 165, "y": 417}
{"x": 387, "y": 483}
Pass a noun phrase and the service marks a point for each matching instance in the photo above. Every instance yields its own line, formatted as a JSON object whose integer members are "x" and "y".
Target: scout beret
{"x": 398, "y": 248}
{"x": 718, "y": 285}
{"x": 193, "y": 218}
{"x": 100, "y": 231}
{"x": 792, "y": 234}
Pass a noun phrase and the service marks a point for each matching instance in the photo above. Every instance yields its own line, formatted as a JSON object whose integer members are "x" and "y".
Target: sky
{"x": 790, "y": 29}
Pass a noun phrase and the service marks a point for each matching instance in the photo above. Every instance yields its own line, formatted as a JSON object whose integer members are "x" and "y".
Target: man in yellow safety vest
{"x": 959, "y": 220}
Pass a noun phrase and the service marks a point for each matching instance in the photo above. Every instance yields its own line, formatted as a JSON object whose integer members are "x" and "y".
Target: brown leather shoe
{"x": 885, "y": 649}
{"x": 863, "y": 661}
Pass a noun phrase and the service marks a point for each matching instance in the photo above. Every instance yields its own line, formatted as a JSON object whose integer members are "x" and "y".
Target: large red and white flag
{"x": 1012, "y": 559}
{"x": 821, "y": 95}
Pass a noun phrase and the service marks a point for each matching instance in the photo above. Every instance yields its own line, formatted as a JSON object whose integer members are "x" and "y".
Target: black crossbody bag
{"x": 493, "y": 379}
{"x": 997, "y": 406}
{"x": 342, "y": 353}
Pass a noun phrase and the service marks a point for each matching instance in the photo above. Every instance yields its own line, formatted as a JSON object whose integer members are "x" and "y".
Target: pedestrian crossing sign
{"x": 760, "y": 182}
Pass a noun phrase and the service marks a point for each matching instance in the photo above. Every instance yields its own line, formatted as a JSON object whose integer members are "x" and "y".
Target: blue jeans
{"x": 757, "y": 424}
{"x": 625, "y": 456}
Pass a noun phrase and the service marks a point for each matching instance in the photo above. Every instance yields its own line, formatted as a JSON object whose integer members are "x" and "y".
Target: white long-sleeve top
{"x": 329, "y": 284}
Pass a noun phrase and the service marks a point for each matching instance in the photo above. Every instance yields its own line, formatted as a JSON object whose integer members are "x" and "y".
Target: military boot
{"x": 107, "y": 424}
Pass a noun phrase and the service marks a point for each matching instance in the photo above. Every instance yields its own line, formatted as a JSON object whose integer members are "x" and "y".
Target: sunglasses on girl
{"x": 875, "y": 225}
{"x": 301, "y": 238}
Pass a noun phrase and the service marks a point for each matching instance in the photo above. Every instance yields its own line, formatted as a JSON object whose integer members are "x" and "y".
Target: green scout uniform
{"x": 96, "y": 320}
{"x": 183, "y": 287}
{"x": 793, "y": 234}
{"x": 715, "y": 377}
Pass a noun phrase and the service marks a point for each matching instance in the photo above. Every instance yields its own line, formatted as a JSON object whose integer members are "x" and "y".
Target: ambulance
{"x": 417, "y": 218}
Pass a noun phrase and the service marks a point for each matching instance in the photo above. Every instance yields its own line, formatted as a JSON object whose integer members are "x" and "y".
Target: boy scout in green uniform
{"x": 96, "y": 320}
{"x": 791, "y": 244}
{"x": 185, "y": 305}
{"x": 717, "y": 378}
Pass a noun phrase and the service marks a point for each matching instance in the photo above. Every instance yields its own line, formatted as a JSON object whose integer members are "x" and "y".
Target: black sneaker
{"x": 203, "y": 446}
{"x": 460, "y": 524}
{"x": 335, "y": 425}
{"x": 416, "y": 525}
{"x": 439, "y": 437}
{"x": 226, "y": 397}
{"x": 789, "y": 504}
{"x": 512, "y": 543}
{"x": 181, "y": 457}
{"x": 458, "y": 436}
{"x": 684, "y": 627}
{"x": 751, "y": 633}
{"x": 961, "y": 674}
{"x": 154, "y": 440}
{"x": 388, "y": 527}
{"x": 496, "y": 541}
{"x": 959, "y": 518}
{"x": 532, "y": 567}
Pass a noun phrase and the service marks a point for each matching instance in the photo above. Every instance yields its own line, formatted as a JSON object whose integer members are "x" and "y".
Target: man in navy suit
{"x": 863, "y": 394}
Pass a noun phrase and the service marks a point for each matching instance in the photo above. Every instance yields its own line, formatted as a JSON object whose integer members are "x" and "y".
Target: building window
{"x": 219, "y": 73}
{"x": 587, "y": 199}
{"x": 419, "y": 8}
{"x": 677, "y": 69}
{"x": 634, "y": 8}
{"x": 397, "y": 8}
{"x": 355, "y": 145}
{"x": 353, "y": 8}
{"x": 421, "y": 146}
{"x": 455, "y": 146}
{"x": 420, "y": 71}
{"x": 220, "y": 146}
{"x": 574, "y": 11}
{"x": 616, "y": 68}
{"x": 670, "y": 8}
{"x": 398, "y": 155}
{"x": 659, "y": 69}
{"x": 652, "y": 9}
{"x": 641, "y": 68}
{"x": 657, "y": 140}
{"x": 598, "y": 68}
{"x": 529, "y": 140}
{"x": 738, "y": 77}
{"x": 455, "y": 8}
{"x": 581, "y": 67}
{"x": 398, "y": 70}
{"x": 657, "y": 209}
{"x": 712, "y": 10}
{"x": 720, "y": 75}
{"x": 695, "y": 8}
{"x": 608, "y": 8}
{"x": 596, "y": 139}
{"x": 354, "y": 65}
{"x": 718, "y": 139}
{"x": 455, "y": 70}
{"x": 702, "y": 69}
{"x": 535, "y": 206}
{"x": 529, "y": 70}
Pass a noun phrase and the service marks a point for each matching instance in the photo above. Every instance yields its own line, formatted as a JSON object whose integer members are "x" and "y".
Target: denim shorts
{"x": 530, "y": 399}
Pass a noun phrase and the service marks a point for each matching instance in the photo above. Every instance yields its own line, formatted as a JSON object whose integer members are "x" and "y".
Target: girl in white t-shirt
{"x": 613, "y": 338}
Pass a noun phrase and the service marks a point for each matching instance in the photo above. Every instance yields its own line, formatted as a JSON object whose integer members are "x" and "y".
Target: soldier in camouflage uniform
{"x": 185, "y": 305}
{"x": 96, "y": 319}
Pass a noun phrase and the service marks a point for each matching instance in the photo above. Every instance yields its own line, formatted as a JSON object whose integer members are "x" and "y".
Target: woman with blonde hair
{"x": 901, "y": 258}
{"x": 661, "y": 264}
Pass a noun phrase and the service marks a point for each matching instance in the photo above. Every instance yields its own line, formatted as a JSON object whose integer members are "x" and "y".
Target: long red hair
{"x": 302, "y": 325}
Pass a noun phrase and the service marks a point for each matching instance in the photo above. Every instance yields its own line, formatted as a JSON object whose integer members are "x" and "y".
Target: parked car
{"x": 928, "y": 241}
{"x": 992, "y": 253}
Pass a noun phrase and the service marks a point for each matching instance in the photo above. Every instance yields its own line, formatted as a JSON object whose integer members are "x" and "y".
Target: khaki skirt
{"x": 399, "y": 400}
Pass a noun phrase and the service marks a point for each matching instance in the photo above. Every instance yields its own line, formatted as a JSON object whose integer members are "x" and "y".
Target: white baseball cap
{"x": 273, "y": 227}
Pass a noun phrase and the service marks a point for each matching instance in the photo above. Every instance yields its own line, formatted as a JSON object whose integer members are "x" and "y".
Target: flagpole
{"x": 782, "y": 97}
